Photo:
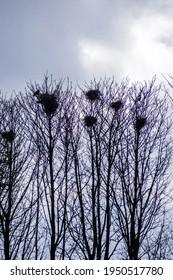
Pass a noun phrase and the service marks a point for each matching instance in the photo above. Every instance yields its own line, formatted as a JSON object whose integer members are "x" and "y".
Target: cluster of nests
{"x": 93, "y": 95}
{"x": 8, "y": 135}
{"x": 50, "y": 105}
{"x": 48, "y": 101}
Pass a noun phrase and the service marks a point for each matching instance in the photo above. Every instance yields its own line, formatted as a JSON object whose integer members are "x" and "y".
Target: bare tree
{"x": 142, "y": 188}
{"x": 95, "y": 143}
{"x": 16, "y": 208}
{"x": 48, "y": 116}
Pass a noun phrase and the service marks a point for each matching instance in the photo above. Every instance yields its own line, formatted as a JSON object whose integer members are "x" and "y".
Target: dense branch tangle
{"x": 89, "y": 169}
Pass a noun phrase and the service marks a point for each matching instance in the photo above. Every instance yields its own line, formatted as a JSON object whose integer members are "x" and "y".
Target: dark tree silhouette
{"x": 145, "y": 151}
{"x": 84, "y": 172}
{"x": 16, "y": 211}
{"x": 49, "y": 119}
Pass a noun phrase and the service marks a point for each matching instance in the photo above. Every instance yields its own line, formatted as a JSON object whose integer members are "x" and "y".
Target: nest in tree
{"x": 36, "y": 93}
{"x": 49, "y": 103}
{"x": 90, "y": 121}
{"x": 117, "y": 105}
{"x": 92, "y": 94}
{"x": 8, "y": 135}
{"x": 140, "y": 122}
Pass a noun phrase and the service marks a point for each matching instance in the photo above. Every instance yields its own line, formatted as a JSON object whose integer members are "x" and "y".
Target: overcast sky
{"x": 84, "y": 38}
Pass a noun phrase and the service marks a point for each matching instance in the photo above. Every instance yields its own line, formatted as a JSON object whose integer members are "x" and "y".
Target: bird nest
{"x": 49, "y": 103}
{"x": 93, "y": 94}
{"x": 117, "y": 105}
{"x": 90, "y": 121}
{"x": 8, "y": 135}
{"x": 140, "y": 122}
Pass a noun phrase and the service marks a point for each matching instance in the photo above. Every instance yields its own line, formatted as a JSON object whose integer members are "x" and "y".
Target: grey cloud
{"x": 167, "y": 41}
{"x": 42, "y": 35}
